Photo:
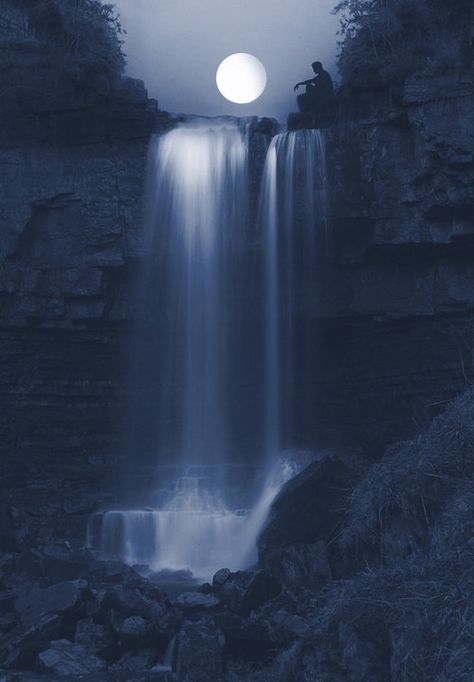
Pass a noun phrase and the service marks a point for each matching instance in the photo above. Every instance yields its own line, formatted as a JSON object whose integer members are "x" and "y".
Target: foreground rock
{"x": 297, "y": 546}
{"x": 200, "y": 652}
{"x": 70, "y": 660}
{"x": 62, "y": 598}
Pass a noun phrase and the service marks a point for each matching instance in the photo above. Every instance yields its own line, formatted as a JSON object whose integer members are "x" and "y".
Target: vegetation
{"x": 408, "y": 614}
{"x": 383, "y": 41}
{"x": 82, "y": 38}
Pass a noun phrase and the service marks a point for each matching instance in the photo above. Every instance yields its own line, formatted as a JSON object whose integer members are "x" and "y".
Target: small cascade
{"x": 194, "y": 531}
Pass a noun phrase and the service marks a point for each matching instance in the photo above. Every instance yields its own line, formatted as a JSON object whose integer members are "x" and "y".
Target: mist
{"x": 175, "y": 46}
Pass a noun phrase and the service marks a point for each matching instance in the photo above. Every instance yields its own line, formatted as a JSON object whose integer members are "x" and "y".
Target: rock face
{"x": 71, "y": 221}
{"x": 70, "y": 216}
{"x": 391, "y": 318}
{"x": 396, "y": 306}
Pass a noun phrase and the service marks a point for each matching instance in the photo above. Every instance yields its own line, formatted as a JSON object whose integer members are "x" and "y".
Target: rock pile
{"x": 98, "y": 620}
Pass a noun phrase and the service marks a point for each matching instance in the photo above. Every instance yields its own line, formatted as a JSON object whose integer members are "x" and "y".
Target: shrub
{"x": 404, "y": 494}
{"x": 383, "y": 41}
{"x": 406, "y": 616}
{"x": 83, "y": 38}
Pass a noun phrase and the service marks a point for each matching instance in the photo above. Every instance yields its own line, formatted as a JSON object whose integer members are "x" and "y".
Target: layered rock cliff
{"x": 396, "y": 305}
{"x": 72, "y": 177}
{"x": 391, "y": 319}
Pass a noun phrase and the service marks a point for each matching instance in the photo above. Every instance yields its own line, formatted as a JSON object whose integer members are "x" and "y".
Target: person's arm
{"x": 304, "y": 83}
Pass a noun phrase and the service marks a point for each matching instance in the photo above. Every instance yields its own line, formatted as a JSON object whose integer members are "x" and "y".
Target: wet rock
{"x": 221, "y": 577}
{"x": 230, "y": 588}
{"x": 200, "y": 652}
{"x": 139, "y": 597}
{"x": 94, "y": 636}
{"x": 135, "y": 661}
{"x": 196, "y": 601}
{"x": 60, "y": 563}
{"x": 20, "y": 647}
{"x": 134, "y": 629}
{"x": 70, "y": 660}
{"x": 62, "y": 598}
{"x": 111, "y": 572}
{"x": 249, "y": 637}
{"x": 309, "y": 510}
{"x": 299, "y": 121}
{"x": 262, "y": 588}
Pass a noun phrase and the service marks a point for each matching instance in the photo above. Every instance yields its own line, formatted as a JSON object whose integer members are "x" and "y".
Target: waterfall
{"x": 199, "y": 347}
{"x": 185, "y": 346}
{"x": 292, "y": 215}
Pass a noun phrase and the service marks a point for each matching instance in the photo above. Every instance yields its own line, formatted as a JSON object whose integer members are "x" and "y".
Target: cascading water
{"x": 294, "y": 232}
{"x": 197, "y": 216}
{"x": 197, "y": 347}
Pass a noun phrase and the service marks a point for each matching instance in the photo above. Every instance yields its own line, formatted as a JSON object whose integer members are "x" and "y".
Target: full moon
{"x": 241, "y": 78}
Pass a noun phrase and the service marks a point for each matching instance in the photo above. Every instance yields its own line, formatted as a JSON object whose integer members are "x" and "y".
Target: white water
{"x": 294, "y": 226}
{"x": 190, "y": 355}
{"x": 195, "y": 531}
{"x": 196, "y": 221}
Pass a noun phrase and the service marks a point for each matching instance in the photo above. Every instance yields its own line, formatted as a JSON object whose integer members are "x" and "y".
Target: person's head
{"x": 317, "y": 67}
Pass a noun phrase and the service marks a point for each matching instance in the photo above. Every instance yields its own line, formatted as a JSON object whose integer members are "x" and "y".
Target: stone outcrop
{"x": 70, "y": 218}
{"x": 395, "y": 304}
{"x": 298, "y": 545}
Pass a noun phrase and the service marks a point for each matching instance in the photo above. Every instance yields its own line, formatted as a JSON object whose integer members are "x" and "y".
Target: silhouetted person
{"x": 319, "y": 91}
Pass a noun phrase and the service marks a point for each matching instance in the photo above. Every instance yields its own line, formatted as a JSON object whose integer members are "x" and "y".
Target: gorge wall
{"x": 396, "y": 308}
{"x": 71, "y": 193}
{"x": 392, "y": 318}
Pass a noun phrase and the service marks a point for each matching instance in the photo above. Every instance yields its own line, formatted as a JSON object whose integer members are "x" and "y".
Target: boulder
{"x": 230, "y": 588}
{"x": 20, "y": 647}
{"x": 59, "y": 562}
{"x": 94, "y": 636}
{"x": 139, "y": 597}
{"x": 66, "y": 597}
{"x": 221, "y": 577}
{"x": 262, "y": 588}
{"x": 70, "y": 660}
{"x": 111, "y": 572}
{"x": 200, "y": 652}
{"x": 248, "y": 637}
{"x": 135, "y": 661}
{"x": 134, "y": 629}
{"x": 197, "y": 601}
{"x": 308, "y": 511}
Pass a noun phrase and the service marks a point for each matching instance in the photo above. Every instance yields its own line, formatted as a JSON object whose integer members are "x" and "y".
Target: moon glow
{"x": 241, "y": 78}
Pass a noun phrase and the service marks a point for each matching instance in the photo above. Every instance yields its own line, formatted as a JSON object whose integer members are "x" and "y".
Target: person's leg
{"x": 315, "y": 101}
{"x": 303, "y": 103}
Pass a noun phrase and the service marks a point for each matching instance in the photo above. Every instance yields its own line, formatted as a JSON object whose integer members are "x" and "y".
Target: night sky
{"x": 175, "y": 46}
